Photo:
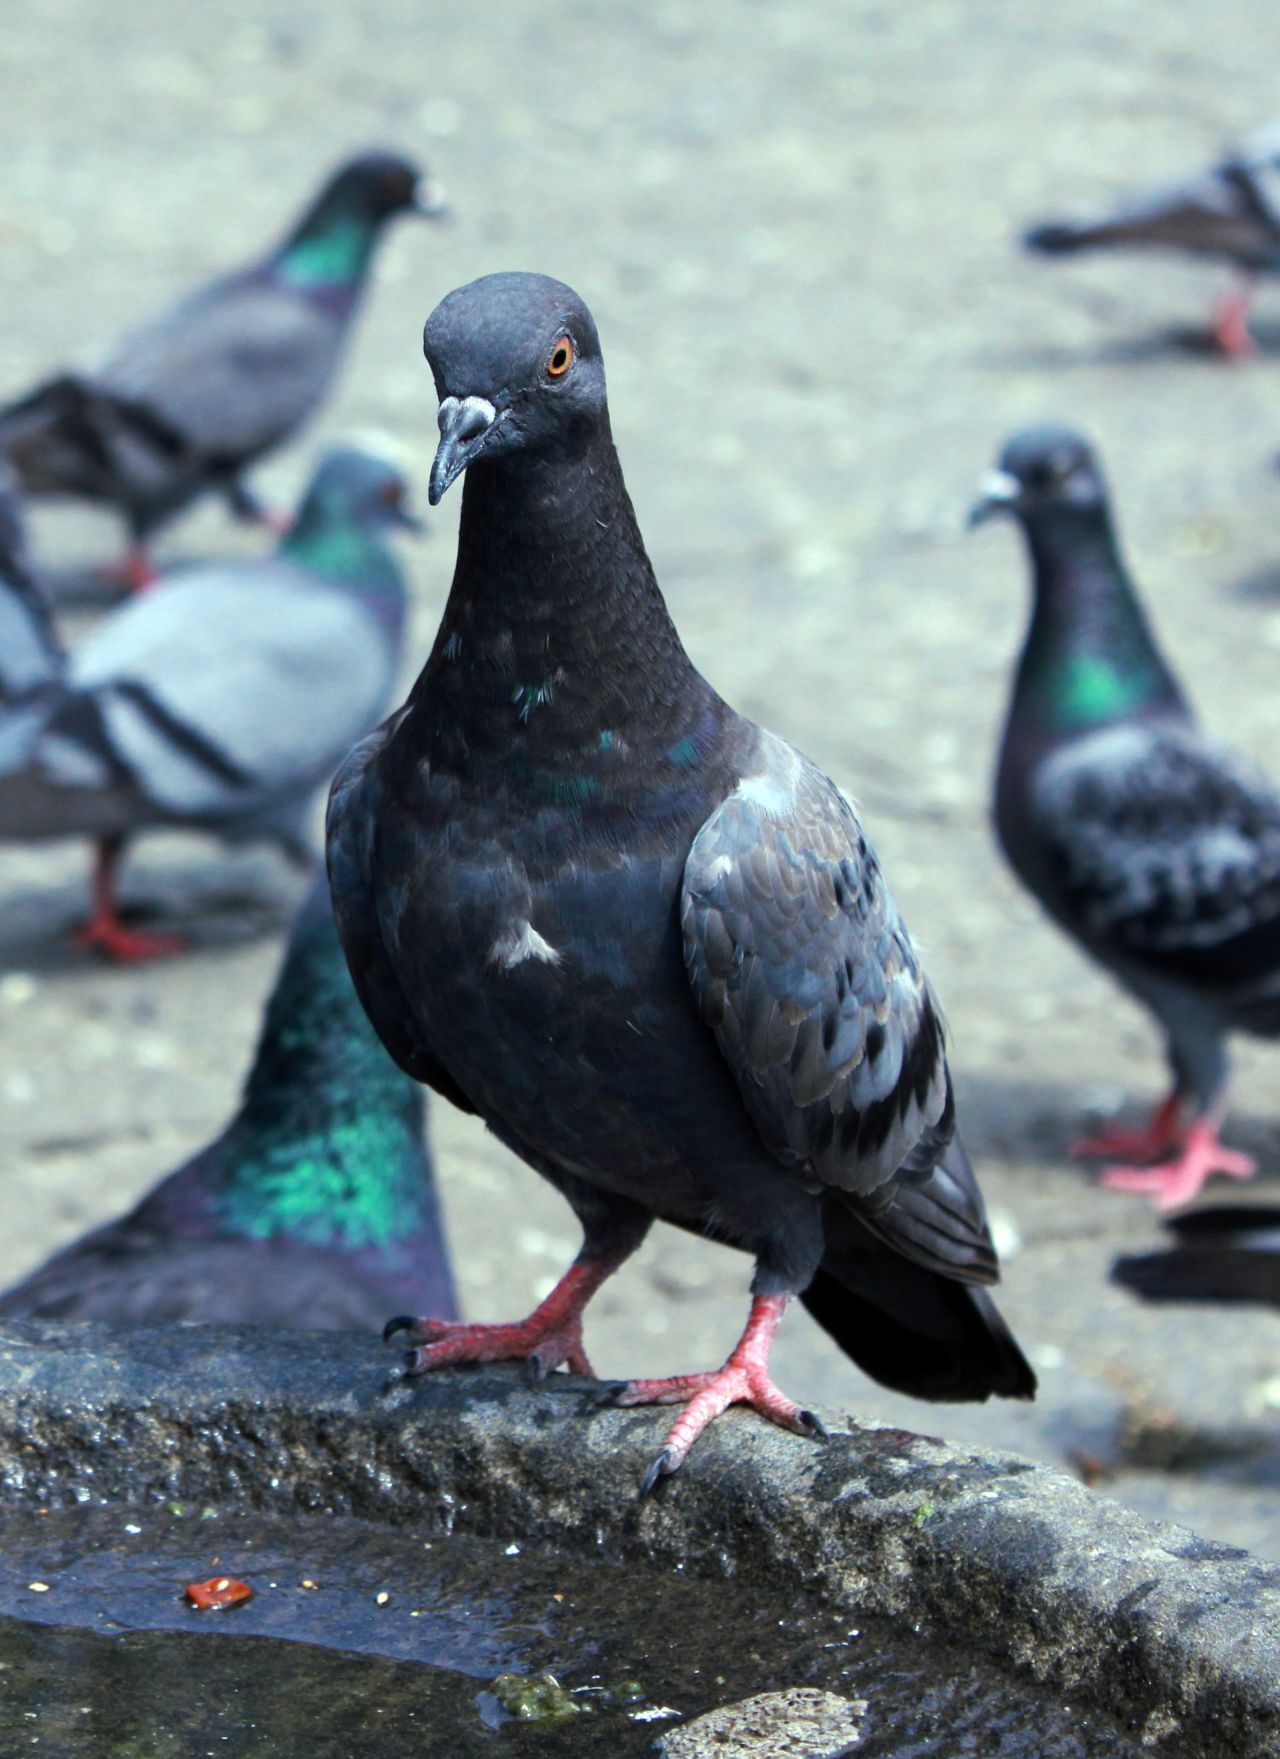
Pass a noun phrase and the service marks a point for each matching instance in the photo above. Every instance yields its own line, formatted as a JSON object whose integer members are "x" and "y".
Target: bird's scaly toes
{"x": 1176, "y": 1182}
{"x": 127, "y": 946}
{"x": 441, "y": 1342}
{"x": 1163, "y": 1132}
{"x": 704, "y": 1397}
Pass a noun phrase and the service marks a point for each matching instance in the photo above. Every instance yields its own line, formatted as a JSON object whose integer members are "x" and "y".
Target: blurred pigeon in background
{"x": 1231, "y": 212}
{"x": 1226, "y": 1253}
{"x": 1153, "y": 847}
{"x": 315, "y": 1207}
{"x": 188, "y": 403}
{"x": 221, "y": 700}
{"x": 30, "y": 656}
{"x": 642, "y": 937}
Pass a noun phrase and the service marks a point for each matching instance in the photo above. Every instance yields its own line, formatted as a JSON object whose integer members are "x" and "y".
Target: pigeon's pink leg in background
{"x": 1163, "y": 1131}
{"x": 1177, "y": 1181}
{"x": 1231, "y": 325}
{"x": 104, "y": 932}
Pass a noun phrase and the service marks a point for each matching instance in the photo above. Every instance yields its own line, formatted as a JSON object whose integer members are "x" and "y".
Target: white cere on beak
{"x": 471, "y": 415}
{"x": 999, "y": 485}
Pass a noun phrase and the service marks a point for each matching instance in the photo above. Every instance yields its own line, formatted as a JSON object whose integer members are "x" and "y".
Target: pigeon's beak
{"x": 429, "y": 200}
{"x": 465, "y": 425}
{"x": 1001, "y": 492}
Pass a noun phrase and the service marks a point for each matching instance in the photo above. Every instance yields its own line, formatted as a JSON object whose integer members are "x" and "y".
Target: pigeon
{"x": 645, "y": 940}
{"x": 221, "y": 700}
{"x": 188, "y": 403}
{"x": 315, "y": 1207}
{"x": 1156, "y": 849}
{"x": 1230, "y": 212}
{"x": 1227, "y": 1253}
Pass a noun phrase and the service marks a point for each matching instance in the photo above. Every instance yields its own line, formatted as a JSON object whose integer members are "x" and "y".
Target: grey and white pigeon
{"x": 188, "y": 403}
{"x": 1155, "y": 848}
{"x": 315, "y": 1207}
{"x": 221, "y": 700}
{"x": 1230, "y": 212}
{"x": 1230, "y": 1253}
{"x": 643, "y": 938}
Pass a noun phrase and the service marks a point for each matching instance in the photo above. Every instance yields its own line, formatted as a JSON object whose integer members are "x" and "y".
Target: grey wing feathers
{"x": 1167, "y": 847}
{"x": 231, "y": 370}
{"x": 276, "y": 711}
{"x": 801, "y": 966}
{"x": 350, "y": 828}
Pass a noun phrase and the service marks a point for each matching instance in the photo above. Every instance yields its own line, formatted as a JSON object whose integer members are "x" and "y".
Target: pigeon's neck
{"x": 327, "y": 1147}
{"x": 342, "y": 550}
{"x": 556, "y": 659}
{"x": 330, "y": 249}
{"x": 1090, "y": 656}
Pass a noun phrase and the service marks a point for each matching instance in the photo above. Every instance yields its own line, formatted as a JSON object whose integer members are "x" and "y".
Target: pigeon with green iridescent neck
{"x": 315, "y": 1207}
{"x": 222, "y": 699}
{"x": 1229, "y": 212}
{"x": 187, "y": 404}
{"x": 643, "y": 938}
{"x": 1154, "y": 847}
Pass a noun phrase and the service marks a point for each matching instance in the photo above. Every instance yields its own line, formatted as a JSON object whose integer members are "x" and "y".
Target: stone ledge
{"x": 1178, "y": 1636}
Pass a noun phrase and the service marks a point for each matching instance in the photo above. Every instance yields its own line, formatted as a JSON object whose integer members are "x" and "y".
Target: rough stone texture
{"x": 1174, "y": 1634}
{"x": 802, "y": 1723}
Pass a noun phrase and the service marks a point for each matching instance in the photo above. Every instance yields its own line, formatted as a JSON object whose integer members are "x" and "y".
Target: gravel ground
{"x": 794, "y": 224}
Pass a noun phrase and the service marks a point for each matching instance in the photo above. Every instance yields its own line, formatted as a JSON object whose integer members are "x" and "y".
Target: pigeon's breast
{"x": 552, "y": 988}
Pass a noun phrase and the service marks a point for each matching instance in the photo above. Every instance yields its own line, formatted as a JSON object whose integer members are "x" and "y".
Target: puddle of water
{"x": 109, "y": 1659}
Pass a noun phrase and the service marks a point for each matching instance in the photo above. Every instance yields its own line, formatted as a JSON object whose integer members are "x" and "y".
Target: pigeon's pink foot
{"x": 551, "y": 1335}
{"x": 1231, "y": 326}
{"x": 1177, "y": 1181}
{"x": 744, "y": 1380}
{"x": 1163, "y": 1131}
{"x": 105, "y": 933}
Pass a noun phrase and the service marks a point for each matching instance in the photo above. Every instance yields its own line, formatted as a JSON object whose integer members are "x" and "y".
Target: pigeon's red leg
{"x": 104, "y": 931}
{"x": 551, "y": 1335}
{"x": 744, "y": 1380}
{"x": 1231, "y": 325}
{"x": 1163, "y": 1131}
{"x": 1177, "y": 1181}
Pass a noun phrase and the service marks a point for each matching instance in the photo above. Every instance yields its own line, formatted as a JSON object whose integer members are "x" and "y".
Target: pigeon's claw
{"x": 550, "y": 1338}
{"x": 1231, "y": 325}
{"x": 744, "y": 1380}
{"x": 105, "y": 933}
{"x": 1175, "y": 1182}
{"x": 1163, "y": 1132}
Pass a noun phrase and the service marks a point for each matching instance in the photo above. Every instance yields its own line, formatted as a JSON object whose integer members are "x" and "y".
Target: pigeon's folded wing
{"x": 1166, "y": 850}
{"x": 232, "y": 369}
{"x": 175, "y": 680}
{"x": 802, "y": 968}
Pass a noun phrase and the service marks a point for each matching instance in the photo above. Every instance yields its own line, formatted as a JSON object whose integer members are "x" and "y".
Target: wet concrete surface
{"x": 794, "y": 225}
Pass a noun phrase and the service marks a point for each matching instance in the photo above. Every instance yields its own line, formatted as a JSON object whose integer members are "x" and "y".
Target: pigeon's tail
{"x": 918, "y": 1332}
{"x": 69, "y": 437}
{"x": 1060, "y": 238}
{"x": 1224, "y": 1254}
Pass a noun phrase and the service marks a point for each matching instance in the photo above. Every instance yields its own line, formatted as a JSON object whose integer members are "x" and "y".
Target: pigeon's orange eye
{"x": 561, "y": 358}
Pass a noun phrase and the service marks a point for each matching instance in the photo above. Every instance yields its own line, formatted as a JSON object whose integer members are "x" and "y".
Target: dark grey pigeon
{"x": 1155, "y": 848}
{"x": 1228, "y": 1253}
{"x": 222, "y": 699}
{"x": 315, "y": 1207}
{"x": 1230, "y": 212}
{"x": 644, "y": 939}
{"x": 188, "y": 403}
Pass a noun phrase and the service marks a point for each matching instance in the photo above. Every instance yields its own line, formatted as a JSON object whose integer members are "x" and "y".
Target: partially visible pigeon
{"x": 1231, "y": 212}
{"x": 642, "y": 937}
{"x": 315, "y": 1207}
{"x": 1152, "y": 846}
{"x": 30, "y": 657}
{"x": 222, "y": 699}
{"x": 1230, "y": 1253}
{"x": 188, "y": 403}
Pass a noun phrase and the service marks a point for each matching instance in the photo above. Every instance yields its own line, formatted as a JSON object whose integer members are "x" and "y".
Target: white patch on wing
{"x": 718, "y": 868}
{"x": 520, "y": 942}
{"x": 775, "y": 791}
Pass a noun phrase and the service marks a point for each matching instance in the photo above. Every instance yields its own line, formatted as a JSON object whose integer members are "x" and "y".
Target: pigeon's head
{"x": 518, "y": 372}
{"x": 1042, "y": 469}
{"x": 376, "y": 185}
{"x": 353, "y": 487}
